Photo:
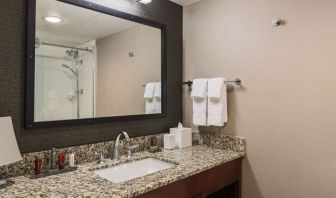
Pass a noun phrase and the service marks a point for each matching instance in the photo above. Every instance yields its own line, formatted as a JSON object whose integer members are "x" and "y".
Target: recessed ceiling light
{"x": 142, "y": 1}
{"x": 53, "y": 19}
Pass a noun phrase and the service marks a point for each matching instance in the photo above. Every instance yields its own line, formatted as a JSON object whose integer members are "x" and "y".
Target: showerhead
{"x": 69, "y": 68}
{"x": 72, "y": 53}
{"x": 68, "y": 52}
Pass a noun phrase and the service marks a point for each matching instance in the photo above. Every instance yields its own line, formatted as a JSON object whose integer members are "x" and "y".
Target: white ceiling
{"x": 79, "y": 26}
{"x": 184, "y": 2}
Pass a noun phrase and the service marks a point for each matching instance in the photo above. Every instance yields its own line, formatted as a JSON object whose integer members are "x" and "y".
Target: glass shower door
{"x": 64, "y": 83}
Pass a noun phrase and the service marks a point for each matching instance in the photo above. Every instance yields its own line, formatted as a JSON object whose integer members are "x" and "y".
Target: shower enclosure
{"x": 65, "y": 81}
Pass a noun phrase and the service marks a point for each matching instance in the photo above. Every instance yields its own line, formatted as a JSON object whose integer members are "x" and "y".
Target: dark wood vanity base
{"x": 210, "y": 183}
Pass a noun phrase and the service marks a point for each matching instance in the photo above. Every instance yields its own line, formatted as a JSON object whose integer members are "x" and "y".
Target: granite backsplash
{"x": 91, "y": 152}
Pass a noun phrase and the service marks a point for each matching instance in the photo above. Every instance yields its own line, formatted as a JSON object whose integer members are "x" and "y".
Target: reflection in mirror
{"x": 89, "y": 64}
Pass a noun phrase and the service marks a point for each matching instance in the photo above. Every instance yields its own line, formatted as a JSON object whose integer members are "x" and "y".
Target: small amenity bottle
{"x": 38, "y": 166}
{"x": 71, "y": 160}
{"x": 61, "y": 160}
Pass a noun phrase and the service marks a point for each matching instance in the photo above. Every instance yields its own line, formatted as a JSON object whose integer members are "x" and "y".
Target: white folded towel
{"x": 217, "y": 102}
{"x": 157, "y": 90}
{"x": 149, "y": 90}
{"x": 199, "y": 95}
{"x": 149, "y": 96}
{"x": 199, "y": 88}
{"x": 215, "y": 87}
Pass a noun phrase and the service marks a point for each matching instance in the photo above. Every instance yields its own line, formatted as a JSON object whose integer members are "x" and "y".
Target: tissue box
{"x": 169, "y": 141}
{"x": 183, "y": 137}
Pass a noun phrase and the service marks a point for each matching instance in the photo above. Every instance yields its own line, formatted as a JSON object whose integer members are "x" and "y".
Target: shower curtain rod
{"x": 64, "y": 46}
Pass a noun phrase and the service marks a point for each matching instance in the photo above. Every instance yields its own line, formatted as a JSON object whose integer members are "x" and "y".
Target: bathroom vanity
{"x": 198, "y": 171}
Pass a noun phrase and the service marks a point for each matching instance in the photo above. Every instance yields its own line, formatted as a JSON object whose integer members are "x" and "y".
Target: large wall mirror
{"x": 88, "y": 63}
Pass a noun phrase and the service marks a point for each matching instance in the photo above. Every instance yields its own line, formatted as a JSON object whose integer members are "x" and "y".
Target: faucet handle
{"x": 101, "y": 159}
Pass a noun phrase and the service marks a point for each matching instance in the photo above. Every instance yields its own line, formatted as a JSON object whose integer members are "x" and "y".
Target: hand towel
{"x": 157, "y": 105}
{"x": 157, "y": 90}
{"x": 217, "y": 103}
{"x": 150, "y": 106}
{"x": 149, "y": 90}
{"x": 149, "y": 96}
{"x": 157, "y": 97}
{"x": 199, "y": 95}
{"x": 199, "y": 88}
{"x": 215, "y": 87}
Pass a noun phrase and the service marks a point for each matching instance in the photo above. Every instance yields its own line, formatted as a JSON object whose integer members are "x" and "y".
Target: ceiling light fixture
{"x": 146, "y": 1}
{"x": 143, "y": 1}
{"x": 53, "y": 19}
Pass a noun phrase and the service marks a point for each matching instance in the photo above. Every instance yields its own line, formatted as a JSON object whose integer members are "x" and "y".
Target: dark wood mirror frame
{"x": 30, "y": 68}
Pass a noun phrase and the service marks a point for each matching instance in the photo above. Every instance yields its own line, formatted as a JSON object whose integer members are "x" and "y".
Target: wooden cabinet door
{"x": 202, "y": 184}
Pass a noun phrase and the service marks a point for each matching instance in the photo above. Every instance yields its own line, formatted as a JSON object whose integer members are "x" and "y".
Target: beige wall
{"x": 286, "y": 107}
{"x": 120, "y": 77}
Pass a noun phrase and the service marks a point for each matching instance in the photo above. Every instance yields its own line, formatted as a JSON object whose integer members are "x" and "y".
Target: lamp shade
{"x": 9, "y": 150}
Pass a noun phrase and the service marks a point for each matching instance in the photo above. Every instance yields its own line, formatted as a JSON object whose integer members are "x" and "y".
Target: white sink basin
{"x": 132, "y": 170}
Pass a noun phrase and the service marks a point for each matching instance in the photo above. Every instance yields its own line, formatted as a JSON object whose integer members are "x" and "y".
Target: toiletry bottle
{"x": 71, "y": 160}
{"x": 153, "y": 147}
{"x": 53, "y": 155}
{"x": 38, "y": 166}
{"x": 61, "y": 160}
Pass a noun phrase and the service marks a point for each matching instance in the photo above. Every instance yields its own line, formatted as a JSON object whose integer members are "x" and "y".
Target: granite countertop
{"x": 85, "y": 183}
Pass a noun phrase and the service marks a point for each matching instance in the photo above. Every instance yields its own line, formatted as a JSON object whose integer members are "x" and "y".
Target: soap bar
{"x": 183, "y": 137}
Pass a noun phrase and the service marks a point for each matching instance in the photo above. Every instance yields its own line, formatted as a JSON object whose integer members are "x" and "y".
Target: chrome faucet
{"x": 116, "y": 144}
